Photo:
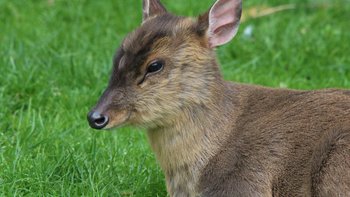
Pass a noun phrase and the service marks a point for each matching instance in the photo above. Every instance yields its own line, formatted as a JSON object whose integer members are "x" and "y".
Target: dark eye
{"x": 155, "y": 66}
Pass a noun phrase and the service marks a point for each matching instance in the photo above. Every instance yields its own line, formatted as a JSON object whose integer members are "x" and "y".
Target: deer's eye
{"x": 155, "y": 66}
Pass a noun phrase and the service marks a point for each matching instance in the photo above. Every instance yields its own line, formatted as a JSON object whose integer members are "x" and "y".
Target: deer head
{"x": 165, "y": 66}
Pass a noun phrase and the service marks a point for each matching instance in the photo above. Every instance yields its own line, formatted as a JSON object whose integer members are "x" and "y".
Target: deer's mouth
{"x": 118, "y": 119}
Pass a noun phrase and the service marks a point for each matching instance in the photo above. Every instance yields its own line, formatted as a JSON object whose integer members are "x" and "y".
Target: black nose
{"x": 97, "y": 120}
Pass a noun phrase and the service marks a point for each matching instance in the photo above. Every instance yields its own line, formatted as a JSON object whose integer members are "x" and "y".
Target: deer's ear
{"x": 152, "y": 8}
{"x": 222, "y": 21}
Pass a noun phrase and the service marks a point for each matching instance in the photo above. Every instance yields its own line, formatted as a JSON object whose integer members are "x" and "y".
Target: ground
{"x": 55, "y": 60}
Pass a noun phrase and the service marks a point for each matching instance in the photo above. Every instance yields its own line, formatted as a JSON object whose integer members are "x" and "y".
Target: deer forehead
{"x": 157, "y": 37}
{"x": 156, "y": 28}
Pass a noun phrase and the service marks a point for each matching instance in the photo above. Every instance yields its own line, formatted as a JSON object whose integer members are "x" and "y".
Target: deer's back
{"x": 280, "y": 142}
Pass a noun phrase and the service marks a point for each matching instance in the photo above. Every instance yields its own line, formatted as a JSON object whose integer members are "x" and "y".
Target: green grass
{"x": 55, "y": 61}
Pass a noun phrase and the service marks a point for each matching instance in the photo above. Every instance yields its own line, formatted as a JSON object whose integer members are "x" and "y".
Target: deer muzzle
{"x": 110, "y": 111}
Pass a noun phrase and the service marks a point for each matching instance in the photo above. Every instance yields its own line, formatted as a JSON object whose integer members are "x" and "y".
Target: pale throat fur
{"x": 185, "y": 147}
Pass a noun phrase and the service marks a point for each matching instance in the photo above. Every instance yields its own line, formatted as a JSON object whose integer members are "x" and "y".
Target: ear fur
{"x": 222, "y": 21}
{"x": 152, "y": 8}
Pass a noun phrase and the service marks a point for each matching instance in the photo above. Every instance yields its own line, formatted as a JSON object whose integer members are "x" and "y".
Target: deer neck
{"x": 186, "y": 146}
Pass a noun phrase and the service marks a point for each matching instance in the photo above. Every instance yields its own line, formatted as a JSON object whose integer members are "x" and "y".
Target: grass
{"x": 55, "y": 59}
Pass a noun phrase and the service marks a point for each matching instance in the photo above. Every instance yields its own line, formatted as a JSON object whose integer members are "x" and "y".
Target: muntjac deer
{"x": 217, "y": 138}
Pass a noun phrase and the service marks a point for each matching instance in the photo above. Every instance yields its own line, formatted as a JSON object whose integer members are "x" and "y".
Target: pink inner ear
{"x": 224, "y": 19}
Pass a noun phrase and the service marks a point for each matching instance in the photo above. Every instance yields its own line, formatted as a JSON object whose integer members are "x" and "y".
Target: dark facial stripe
{"x": 137, "y": 47}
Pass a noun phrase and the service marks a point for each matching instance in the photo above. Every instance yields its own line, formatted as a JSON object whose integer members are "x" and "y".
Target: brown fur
{"x": 216, "y": 138}
{"x": 281, "y": 144}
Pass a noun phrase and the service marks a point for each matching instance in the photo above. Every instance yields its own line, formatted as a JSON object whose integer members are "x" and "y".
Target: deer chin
{"x": 118, "y": 119}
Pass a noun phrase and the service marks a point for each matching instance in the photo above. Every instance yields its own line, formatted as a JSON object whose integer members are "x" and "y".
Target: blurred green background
{"x": 55, "y": 60}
